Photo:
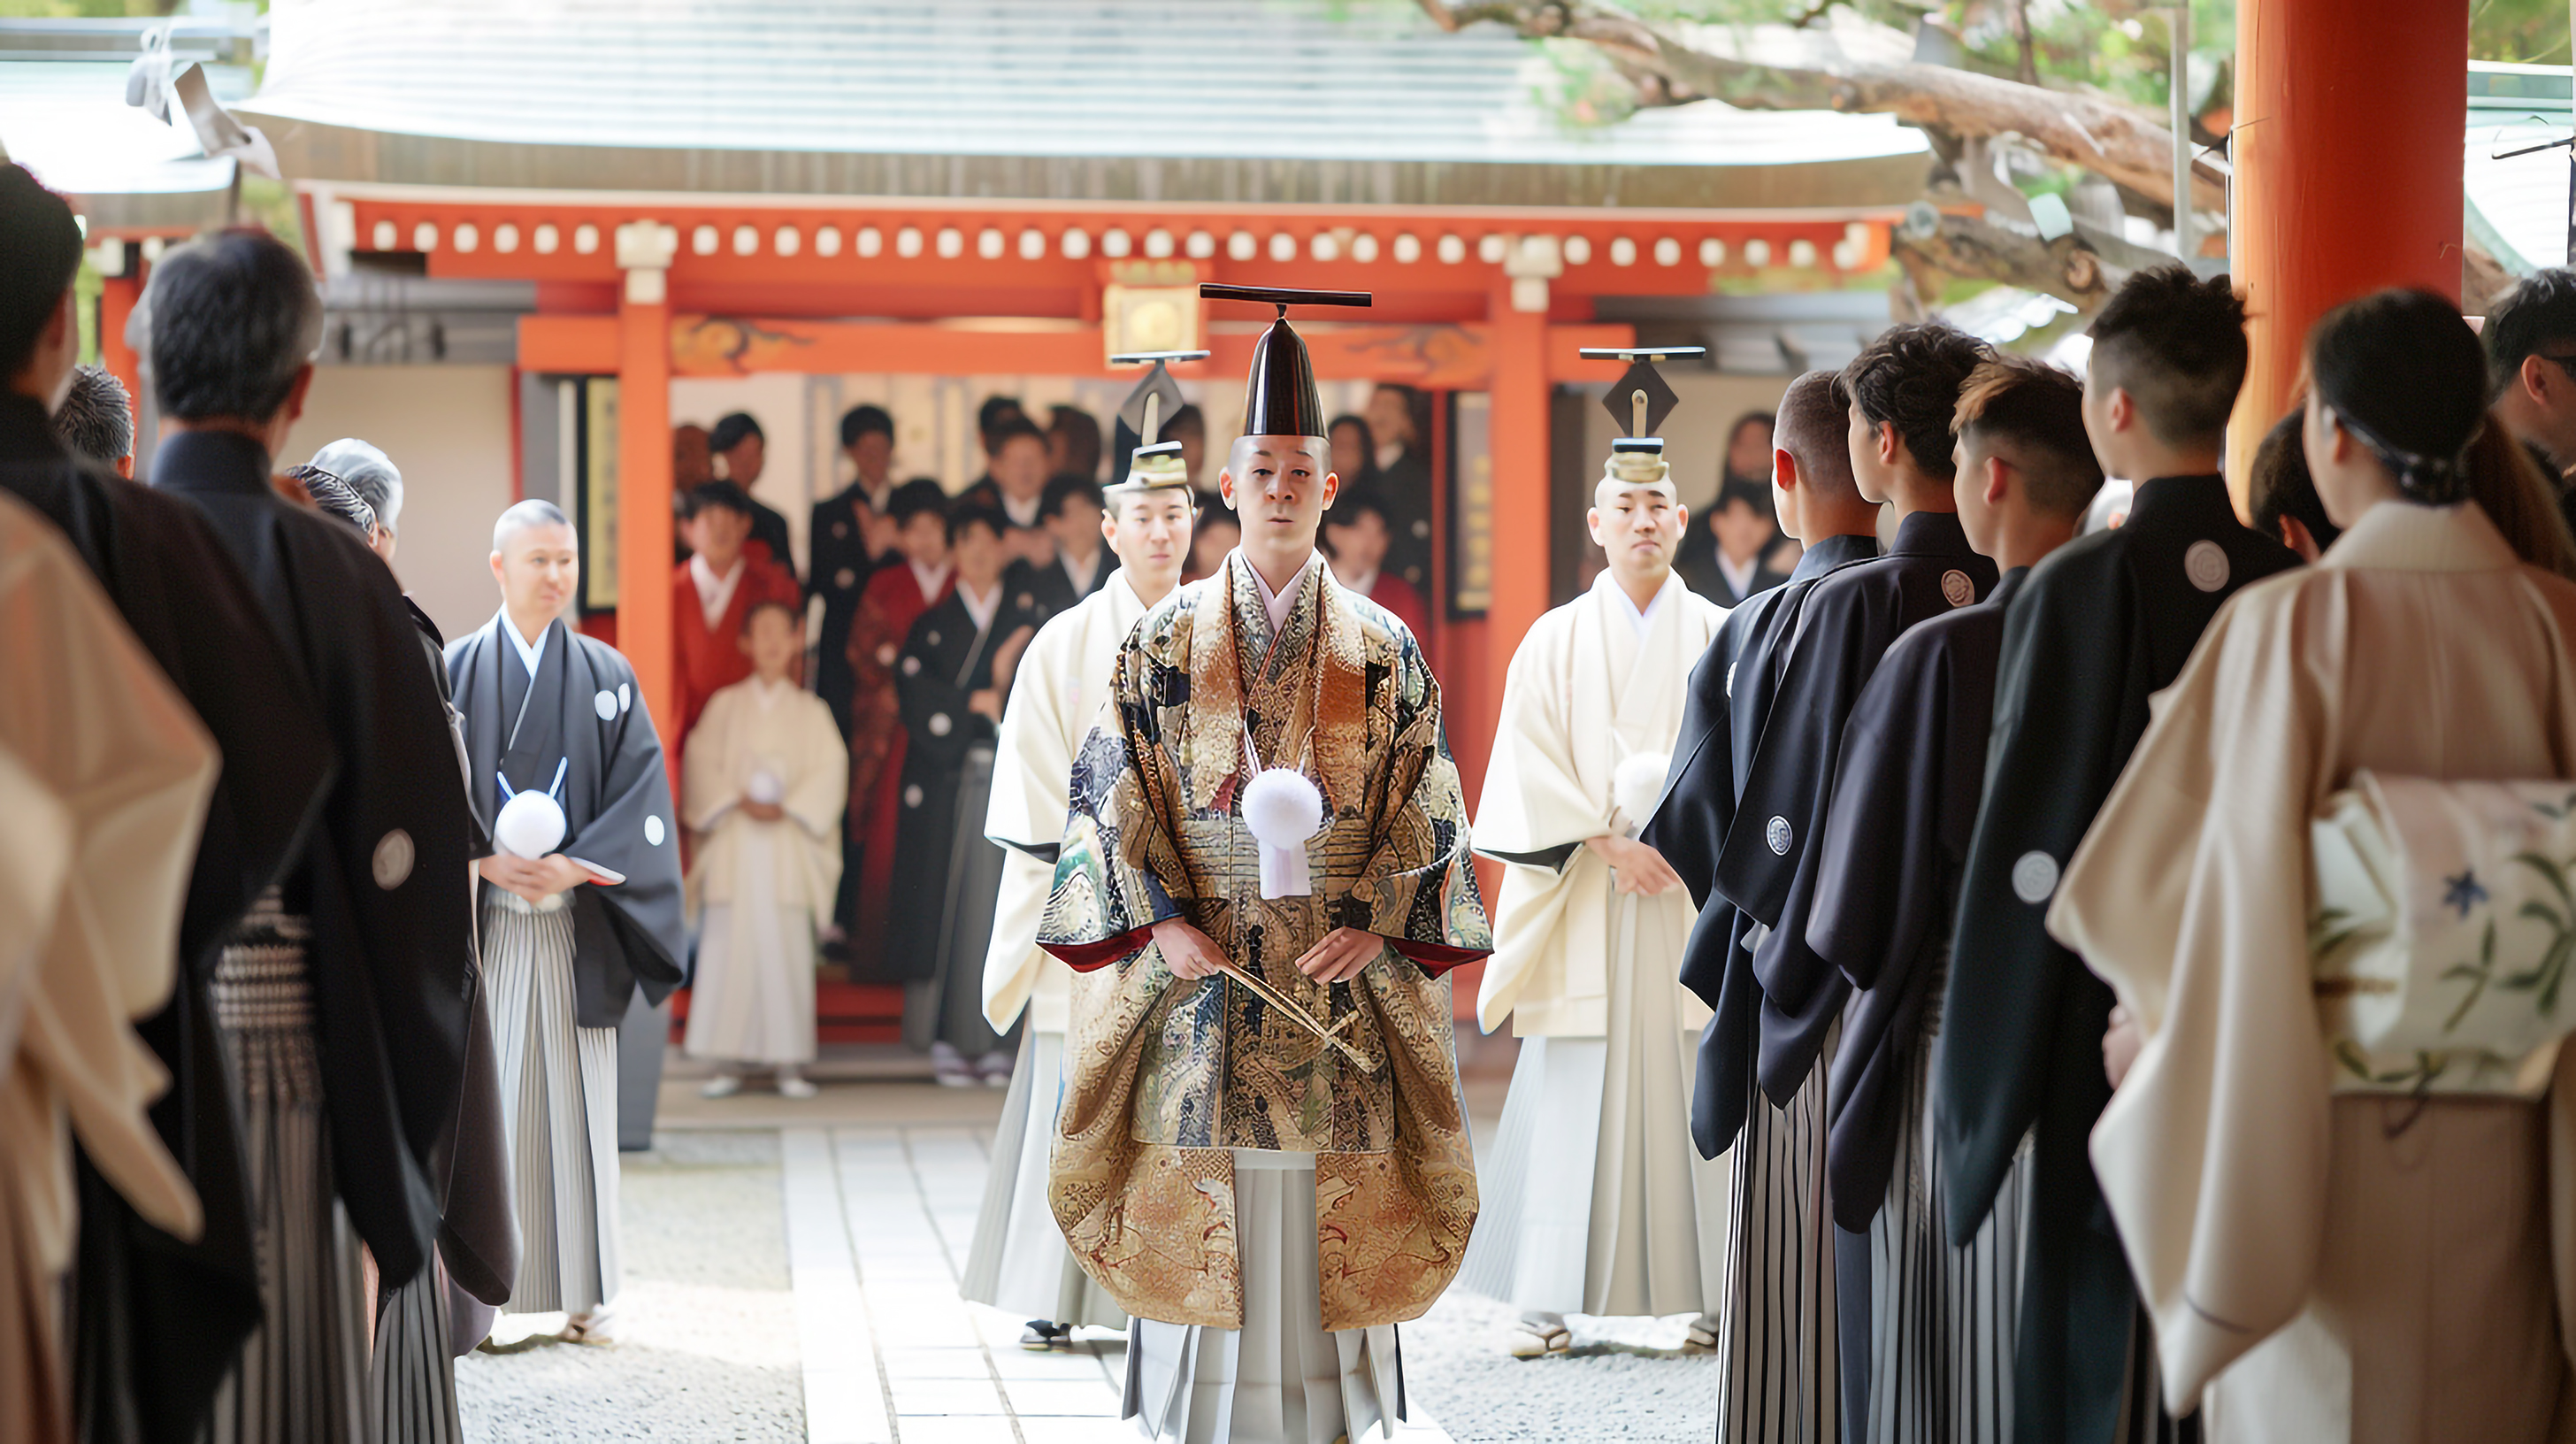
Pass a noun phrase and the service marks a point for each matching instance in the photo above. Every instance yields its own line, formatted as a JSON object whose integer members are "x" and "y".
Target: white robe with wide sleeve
{"x": 764, "y": 888}
{"x": 1055, "y": 696}
{"x": 1595, "y": 1201}
{"x": 104, "y": 779}
{"x": 2328, "y": 1265}
{"x": 1584, "y": 693}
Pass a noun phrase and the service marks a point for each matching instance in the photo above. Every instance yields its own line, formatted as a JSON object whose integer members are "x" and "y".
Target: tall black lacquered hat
{"x": 1279, "y": 398}
{"x": 1152, "y": 405}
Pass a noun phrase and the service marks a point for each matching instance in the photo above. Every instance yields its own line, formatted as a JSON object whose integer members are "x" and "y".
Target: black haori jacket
{"x": 382, "y": 876}
{"x": 584, "y": 712}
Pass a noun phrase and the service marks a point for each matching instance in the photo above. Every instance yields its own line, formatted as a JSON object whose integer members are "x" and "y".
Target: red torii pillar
{"x": 644, "y": 251}
{"x": 2347, "y": 149}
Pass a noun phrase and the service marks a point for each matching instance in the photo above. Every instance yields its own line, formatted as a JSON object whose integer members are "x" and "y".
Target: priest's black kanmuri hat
{"x": 1639, "y": 402}
{"x": 1279, "y": 398}
{"x": 1152, "y": 405}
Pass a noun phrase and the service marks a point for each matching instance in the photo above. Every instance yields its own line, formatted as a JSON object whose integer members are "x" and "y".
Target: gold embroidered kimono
{"x": 1165, "y": 1078}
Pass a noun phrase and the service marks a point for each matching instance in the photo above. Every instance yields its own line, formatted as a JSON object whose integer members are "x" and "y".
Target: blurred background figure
{"x": 1354, "y": 452}
{"x": 848, "y": 537}
{"x": 731, "y": 572}
{"x": 1356, "y": 538}
{"x": 1399, "y": 421}
{"x": 992, "y": 418}
{"x": 1216, "y": 533}
{"x": 915, "y": 578}
{"x": 1073, "y": 442}
{"x": 370, "y": 473}
{"x": 2282, "y": 496}
{"x": 96, "y": 420}
{"x": 762, "y": 791}
{"x": 743, "y": 449}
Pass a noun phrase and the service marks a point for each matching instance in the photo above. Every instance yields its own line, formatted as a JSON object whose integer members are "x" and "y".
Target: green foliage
{"x": 2528, "y": 32}
{"x": 83, "y": 9}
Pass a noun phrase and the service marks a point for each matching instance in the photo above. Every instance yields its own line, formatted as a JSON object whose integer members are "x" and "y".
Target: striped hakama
{"x": 949, "y": 1006}
{"x": 1942, "y": 1319}
{"x": 558, "y": 1108}
{"x": 1778, "y": 1334}
{"x": 1280, "y": 1379}
{"x": 1018, "y": 1261}
{"x": 302, "y": 1375}
{"x": 413, "y": 1379}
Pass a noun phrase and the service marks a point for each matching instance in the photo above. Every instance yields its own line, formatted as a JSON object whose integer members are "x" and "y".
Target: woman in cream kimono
{"x": 762, "y": 787}
{"x": 104, "y": 779}
{"x": 1595, "y": 1200}
{"x": 2332, "y": 1252}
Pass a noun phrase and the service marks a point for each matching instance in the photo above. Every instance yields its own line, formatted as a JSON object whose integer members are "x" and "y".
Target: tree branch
{"x": 2093, "y": 132}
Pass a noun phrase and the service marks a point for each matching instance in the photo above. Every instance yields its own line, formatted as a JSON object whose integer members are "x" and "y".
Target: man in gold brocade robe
{"x": 1266, "y": 1200}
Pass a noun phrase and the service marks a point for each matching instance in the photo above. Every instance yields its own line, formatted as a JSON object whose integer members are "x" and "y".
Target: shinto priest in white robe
{"x": 761, "y": 889}
{"x": 1595, "y": 1200}
{"x": 1019, "y": 1261}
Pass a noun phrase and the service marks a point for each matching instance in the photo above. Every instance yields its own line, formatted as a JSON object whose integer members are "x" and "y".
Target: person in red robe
{"x": 895, "y": 598}
{"x": 726, "y": 575}
{"x": 1356, "y": 538}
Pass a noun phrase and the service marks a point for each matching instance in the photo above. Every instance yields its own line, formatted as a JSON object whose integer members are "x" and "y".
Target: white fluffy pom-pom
{"x": 1282, "y": 807}
{"x": 764, "y": 787}
{"x": 1638, "y": 783}
{"x": 531, "y": 825}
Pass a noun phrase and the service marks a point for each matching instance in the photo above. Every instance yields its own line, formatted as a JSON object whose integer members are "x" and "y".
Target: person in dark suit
{"x": 850, "y": 535}
{"x": 745, "y": 449}
{"x": 1069, "y": 511}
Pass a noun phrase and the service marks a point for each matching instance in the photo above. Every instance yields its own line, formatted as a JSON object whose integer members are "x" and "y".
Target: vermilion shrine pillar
{"x": 2347, "y": 152}
{"x": 644, "y": 250}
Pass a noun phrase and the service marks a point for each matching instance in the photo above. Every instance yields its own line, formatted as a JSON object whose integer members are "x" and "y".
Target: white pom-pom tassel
{"x": 1638, "y": 784}
{"x": 531, "y": 825}
{"x": 1283, "y": 809}
{"x": 764, "y": 787}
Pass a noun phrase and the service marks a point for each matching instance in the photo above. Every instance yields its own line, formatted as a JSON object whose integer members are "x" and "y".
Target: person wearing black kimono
{"x": 187, "y": 601}
{"x": 1070, "y": 512}
{"x": 745, "y": 448}
{"x": 954, "y": 672}
{"x": 2106, "y": 623}
{"x": 341, "y": 999}
{"x": 1904, "y": 388}
{"x": 1776, "y": 1346}
{"x": 846, "y": 540}
{"x": 1890, "y": 850}
{"x": 575, "y": 924}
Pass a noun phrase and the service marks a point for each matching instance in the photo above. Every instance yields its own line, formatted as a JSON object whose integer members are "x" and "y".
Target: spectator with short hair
{"x": 96, "y": 419}
{"x": 1073, "y": 442}
{"x": 374, "y": 478}
{"x": 2530, "y": 341}
{"x": 743, "y": 447}
{"x": 762, "y": 792}
{"x": 1070, "y": 511}
{"x": 1216, "y": 533}
{"x": 1356, "y": 535}
{"x": 954, "y": 673}
{"x": 848, "y": 537}
{"x": 1403, "y": 480}
{"x": 917, "y": 578}
{"x": 729, "y": 572}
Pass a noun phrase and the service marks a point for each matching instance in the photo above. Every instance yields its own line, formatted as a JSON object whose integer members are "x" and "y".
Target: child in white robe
{"x": 762, "y": 789}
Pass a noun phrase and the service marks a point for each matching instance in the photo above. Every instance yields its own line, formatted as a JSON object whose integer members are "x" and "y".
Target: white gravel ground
{"x": 706, "y": 1329}
{"x": 706, "y": 1339}
{"x": 1624, "y": 1379}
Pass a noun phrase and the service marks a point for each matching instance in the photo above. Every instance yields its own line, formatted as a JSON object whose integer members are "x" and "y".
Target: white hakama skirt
{"x": 1595, "y": 1200}
{"x": 1280, "y": 1379}
{"x": 1942, "y": 1319}
{"x": 1018, "y": 1261}
{"x": 558, "y": 1109}
{"x": 302, "y": 1375}
{"x": 752, "y": 1000}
